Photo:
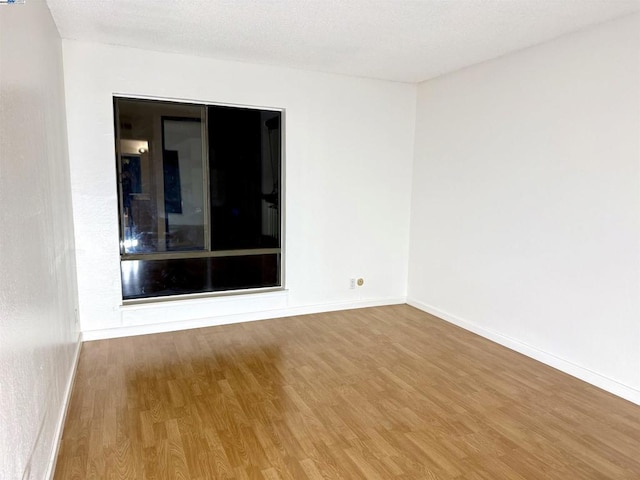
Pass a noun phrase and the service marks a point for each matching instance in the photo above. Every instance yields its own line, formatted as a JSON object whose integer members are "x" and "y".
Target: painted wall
{"x": 38, "y": 296}
{"x": 525, "y": 222}
{"x": 349, "y": 154}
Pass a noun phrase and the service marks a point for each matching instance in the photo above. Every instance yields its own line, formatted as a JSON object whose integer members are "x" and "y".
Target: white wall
{"x": 525, "y": 222}
{"x": 349, "y": 152}
{"x": 38, "y": 330}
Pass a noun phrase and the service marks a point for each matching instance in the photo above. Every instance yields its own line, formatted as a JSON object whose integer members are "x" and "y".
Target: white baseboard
{"x": 57, "y": 439}
{"x": 126, "y": 331}
{"x": 612, "y": 386}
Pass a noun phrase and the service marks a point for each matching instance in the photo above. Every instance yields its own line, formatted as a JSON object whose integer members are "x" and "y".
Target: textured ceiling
{"x": 402, "y": 40}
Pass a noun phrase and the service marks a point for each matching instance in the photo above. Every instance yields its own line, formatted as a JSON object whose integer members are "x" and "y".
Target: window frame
{"x": 207, "y": 253}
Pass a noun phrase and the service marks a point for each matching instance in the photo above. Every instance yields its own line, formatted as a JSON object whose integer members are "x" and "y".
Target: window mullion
{"x": 206, "y": 180}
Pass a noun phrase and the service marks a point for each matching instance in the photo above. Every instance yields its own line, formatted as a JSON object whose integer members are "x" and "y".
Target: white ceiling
{"x": 403, "y": 40}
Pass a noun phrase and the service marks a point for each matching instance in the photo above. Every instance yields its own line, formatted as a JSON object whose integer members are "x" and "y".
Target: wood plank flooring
{"x": 379, "y": 393}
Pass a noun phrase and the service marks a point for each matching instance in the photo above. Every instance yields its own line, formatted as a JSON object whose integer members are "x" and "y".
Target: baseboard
{"x": 51, "y": 469}
{"x": 612, "y": 386}
{"x": 127, "y": 331}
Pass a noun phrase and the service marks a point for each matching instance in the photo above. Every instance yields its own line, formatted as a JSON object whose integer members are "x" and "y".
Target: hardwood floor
{"x": 379, "y": 393}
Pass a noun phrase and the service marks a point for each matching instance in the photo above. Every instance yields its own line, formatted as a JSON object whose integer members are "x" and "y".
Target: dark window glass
{"x": 199, "y": 190}
{"x": 158, "y": 278}
{"x": 244, "y": 151}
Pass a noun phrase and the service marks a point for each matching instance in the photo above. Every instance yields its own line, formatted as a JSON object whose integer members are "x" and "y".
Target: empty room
{"x": 291, "y": 239}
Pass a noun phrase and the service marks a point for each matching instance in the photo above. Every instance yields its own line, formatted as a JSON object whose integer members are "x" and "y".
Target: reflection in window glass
{"x": 183, "y": 173}
{"x": 199, "y": 189}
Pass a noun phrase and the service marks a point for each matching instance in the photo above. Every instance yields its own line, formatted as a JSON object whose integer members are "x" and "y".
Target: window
{"x": 199, "y": 197}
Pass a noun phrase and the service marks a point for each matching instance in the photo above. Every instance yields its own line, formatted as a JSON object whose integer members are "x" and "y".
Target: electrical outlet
{"x": 352, "y": 283}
